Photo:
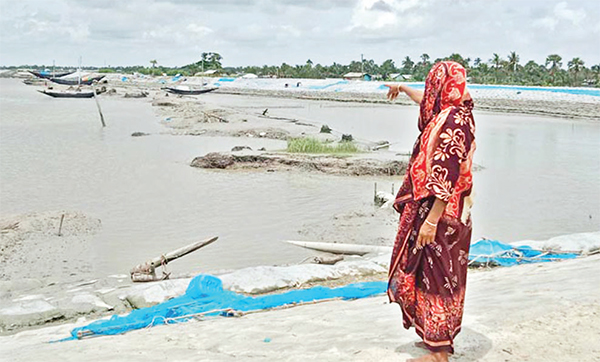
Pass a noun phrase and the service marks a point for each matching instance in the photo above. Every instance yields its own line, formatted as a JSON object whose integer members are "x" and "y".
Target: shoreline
{"x": 502, "y": 322}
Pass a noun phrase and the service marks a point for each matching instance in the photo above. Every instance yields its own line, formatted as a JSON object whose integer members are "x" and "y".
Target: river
{"x": 541, "y": 177}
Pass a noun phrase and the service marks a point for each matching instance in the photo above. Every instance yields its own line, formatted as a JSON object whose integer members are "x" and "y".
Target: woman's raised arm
{"x": 395, "y": 89}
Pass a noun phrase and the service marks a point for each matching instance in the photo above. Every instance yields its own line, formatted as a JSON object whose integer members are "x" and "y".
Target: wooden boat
{"x": 187, "y": 90}
{"x": 47, "y": 75}
{"x": 67, "y": 93}
{"x": 74, "y": 81}
{"x": 348, "y": 249}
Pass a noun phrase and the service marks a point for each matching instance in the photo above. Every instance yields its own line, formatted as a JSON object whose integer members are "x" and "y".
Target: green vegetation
{"x": 313, "y": 145}
{"x": 325, "y": 129}
{"x": 497, "y": 70}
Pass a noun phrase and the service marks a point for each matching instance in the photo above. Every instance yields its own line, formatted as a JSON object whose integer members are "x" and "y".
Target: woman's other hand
{"x": 394, "y": 91}
{"x": 426, "y": 235}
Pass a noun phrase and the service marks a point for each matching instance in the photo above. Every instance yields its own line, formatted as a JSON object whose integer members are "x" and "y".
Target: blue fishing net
{"x": 497, "y": 253}
{"x": 205, "y": 297}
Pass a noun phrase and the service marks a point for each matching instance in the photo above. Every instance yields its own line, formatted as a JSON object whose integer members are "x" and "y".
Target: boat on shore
{"x": 44, "y": 74}
{"x": 67, "y": 93}
{"x": 87, "y": 80}
{"x": 185, "y": 90}
{"x": 341, "y": 248}
{"x": 71, "y": 93}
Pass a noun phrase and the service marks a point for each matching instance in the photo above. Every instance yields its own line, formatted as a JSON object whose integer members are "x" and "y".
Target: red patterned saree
{"x": 429, "y": 283}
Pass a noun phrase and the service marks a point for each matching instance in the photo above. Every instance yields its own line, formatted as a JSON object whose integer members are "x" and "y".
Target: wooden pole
{"x": 60, "y": 226}
{"x": 98, "y": 105}
{"x": 375, "y": 193}
{"x": 146, "y": 272}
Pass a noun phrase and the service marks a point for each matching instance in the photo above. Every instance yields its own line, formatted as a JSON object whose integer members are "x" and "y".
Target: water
{"x": 541, "y": 177}
{"x": 55, "y": 156}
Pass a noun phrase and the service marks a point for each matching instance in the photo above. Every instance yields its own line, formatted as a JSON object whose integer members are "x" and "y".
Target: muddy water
{"x": 541, "y": 177}
{"x": 54, "y": 155}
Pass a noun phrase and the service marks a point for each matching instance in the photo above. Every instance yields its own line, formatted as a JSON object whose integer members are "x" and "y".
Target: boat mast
{"x": 79, "y": 73}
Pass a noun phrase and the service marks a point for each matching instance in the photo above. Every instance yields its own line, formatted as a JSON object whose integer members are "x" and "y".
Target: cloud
{"x": 273, "y": 31}
{"x": 381, "y": 6}
{"x": 562, "y": 14}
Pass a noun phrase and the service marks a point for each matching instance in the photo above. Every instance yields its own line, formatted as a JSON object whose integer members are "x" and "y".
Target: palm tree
{"x": 496, "y": 61}
{"x": 555, "y": 62}
{"x": 153, "y": 62}
{"x": 424, "y": 58}
{"x": 513, "y": 60}
{"x": 575, "y": 65}
{"x": 596, "y": 70}
{"x": 407, "y": 65}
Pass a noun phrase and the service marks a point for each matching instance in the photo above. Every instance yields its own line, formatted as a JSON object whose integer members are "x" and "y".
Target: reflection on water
{"x": 541, "y": 177}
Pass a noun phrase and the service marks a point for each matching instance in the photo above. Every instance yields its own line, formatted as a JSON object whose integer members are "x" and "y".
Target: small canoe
{"x": 339, "y": 248}
{"x": 67, "y": 94}
{"x": 188, "y": 91}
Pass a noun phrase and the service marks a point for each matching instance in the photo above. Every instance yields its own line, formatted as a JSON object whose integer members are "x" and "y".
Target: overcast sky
{"x": 258, "y": 32}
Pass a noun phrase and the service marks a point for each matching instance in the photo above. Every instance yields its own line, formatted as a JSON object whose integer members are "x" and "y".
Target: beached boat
{"x": 87, "y": 80}
{"x": 47, "y": 75}
{"x": 184, "y": 90}
{"x": 67, "y": 93}
{"x": 348, "y": 249}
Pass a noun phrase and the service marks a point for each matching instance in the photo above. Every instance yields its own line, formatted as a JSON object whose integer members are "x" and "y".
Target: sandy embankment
{"x": 538, "y": 312}
{"x": 548, "y": 103}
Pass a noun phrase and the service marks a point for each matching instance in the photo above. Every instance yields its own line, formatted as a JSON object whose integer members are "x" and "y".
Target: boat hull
{"x": 190, "y": 92}
{"x": 67, "y": 94}
{"x": 87, "y": 81}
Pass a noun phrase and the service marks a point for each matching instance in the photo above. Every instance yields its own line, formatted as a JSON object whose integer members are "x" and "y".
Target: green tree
{"x": 388, "y": 67}
{"x": 210, "y": 60}
{"x": 596, "y": 71}
{"x": 513, "y": 61}
{"x": 407, "y": 65}
{"x": 153, "y": 62}
{"x": 575, "y": 66}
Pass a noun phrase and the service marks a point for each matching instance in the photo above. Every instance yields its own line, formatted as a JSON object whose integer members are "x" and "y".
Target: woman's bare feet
{"x": 432, "y": 357}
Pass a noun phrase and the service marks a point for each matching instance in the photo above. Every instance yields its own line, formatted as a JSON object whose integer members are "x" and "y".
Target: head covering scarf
{"x": 444, "y": 87}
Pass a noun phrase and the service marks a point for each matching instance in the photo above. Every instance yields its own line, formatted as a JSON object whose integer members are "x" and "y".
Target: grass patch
{"x": 313, "y": 145}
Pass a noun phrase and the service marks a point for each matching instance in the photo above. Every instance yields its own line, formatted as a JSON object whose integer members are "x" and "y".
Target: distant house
{"x": 357, "y": 76}
{"x": 249, "y": 76}
{"x": 209, "y": 73}
{"x": 400, "y": 77}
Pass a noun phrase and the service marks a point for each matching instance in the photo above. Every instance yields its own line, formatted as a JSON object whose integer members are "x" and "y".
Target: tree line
{"x": 496, "y": 70}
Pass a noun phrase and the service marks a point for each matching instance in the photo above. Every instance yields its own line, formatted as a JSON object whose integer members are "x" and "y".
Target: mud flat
{"x": 336, "y": 165}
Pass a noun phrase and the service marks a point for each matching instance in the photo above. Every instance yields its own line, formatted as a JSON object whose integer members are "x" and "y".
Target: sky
{"x": 259, "y": 32}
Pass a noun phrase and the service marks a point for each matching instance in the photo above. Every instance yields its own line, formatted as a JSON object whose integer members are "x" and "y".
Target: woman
{"x": 428, "y": 270}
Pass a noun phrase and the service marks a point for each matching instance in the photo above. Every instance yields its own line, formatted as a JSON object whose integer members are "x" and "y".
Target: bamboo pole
{"x": 98, "y": 105}
{"x": 62, "y": 217}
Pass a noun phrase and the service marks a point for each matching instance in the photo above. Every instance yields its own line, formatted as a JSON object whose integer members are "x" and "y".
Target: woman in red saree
{"x": 428, "y": 270}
